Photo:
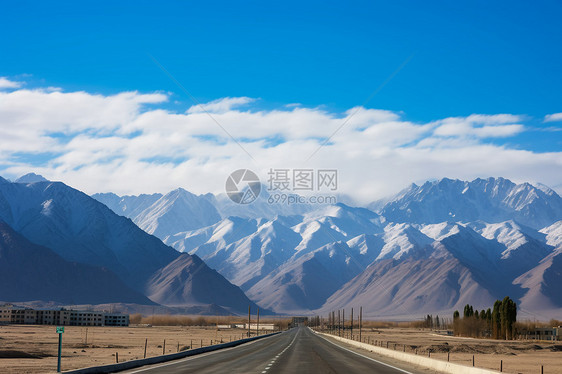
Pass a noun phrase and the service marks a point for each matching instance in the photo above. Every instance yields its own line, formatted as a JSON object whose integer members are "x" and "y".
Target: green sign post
{"x": 60, "y": 331}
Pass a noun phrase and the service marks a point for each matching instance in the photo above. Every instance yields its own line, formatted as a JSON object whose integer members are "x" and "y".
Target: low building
{"x": 86, "y": 318}
{"x": 542, "y": 333}
{"x": 10, "y": 314}
{"x": 17, "y": 315}
{"x": 114, "y": 319}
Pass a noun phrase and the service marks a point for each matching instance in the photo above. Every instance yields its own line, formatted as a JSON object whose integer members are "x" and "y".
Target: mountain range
{"x": 430, "y": 249}
{"x": 87, "y": 243}
{"x": 433, "y": 247}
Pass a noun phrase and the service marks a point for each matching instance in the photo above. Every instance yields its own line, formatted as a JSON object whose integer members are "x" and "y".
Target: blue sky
{"x": 463, "y": 58}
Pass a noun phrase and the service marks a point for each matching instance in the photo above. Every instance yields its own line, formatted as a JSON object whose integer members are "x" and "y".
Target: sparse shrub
{"x": 135, "y": 319}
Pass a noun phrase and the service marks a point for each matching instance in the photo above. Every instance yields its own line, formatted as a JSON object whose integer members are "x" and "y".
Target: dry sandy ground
{"x": 104, "y": 342}
{"x": 41, "y": 342}
{"x": 518, "y": 356}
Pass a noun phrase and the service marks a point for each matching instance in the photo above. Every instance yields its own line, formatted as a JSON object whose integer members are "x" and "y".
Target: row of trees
{"x": 498, "y": 323}
{"x": 432, "y": 323}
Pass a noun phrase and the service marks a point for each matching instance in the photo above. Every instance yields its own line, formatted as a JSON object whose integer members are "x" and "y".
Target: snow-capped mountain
{"x": 490, "y": 200}
{"x": 81, "y": 230}
{"x": 430, "y": 249}
{"x": 127, "y": 206}
{"x": 305, "y": 282}
{"x": 30, "y": 178}
{"x": 208, "y": 239}
{"x": 251, "y": 258}
{"x": 464, "y": 241}
{"x": 553, "y": 234}
{"x": 164, "y": 215}
{"x": 246, "y": 260}
{"x": 177, "y": 211}
{"x": 457, "y": 266}
{"x": 261, "y": 208}
{"x": 524, "y": 247}
{"x": 31, "y": 272}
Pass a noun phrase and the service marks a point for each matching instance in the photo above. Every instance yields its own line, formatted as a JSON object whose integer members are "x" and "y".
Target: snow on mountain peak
{"x": 439, "y": 231}
{"x": 553, "y": 234}
{"x": 30, "y": 178}
{"x": 492, "y": 200}
{"x": 402, "y": 239}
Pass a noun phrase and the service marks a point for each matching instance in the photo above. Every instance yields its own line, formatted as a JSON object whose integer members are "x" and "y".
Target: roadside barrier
{"x": 426, "y": 362}
{"x": 164, "y": 358}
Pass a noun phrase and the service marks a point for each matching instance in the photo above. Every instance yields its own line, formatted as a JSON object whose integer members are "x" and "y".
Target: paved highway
{"x": 298, "y": 350}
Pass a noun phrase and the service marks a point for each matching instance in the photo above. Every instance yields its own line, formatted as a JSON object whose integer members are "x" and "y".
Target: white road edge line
{"x": 359, "y": 354}
{"x": 189, "y": 358}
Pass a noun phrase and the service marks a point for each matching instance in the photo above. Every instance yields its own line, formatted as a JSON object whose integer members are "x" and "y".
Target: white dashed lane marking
{"x": 280, "y": 353}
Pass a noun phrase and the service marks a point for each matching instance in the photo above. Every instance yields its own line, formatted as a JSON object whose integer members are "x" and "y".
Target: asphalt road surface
{"x": 298, "y": 350}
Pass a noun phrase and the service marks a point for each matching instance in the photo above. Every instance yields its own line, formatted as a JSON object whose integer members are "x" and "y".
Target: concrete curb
{"x": 426, "y": 362}
{"x": 159, "y": 359}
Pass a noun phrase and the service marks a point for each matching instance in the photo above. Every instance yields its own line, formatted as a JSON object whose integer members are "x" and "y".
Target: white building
{"x": 262, "y": 326}
{"x": 10, "y": 314}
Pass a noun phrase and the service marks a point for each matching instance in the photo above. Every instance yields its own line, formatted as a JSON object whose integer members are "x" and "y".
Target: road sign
{"x": 60, "y": 330}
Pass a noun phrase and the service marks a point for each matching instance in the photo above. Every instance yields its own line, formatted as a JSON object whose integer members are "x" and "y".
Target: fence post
{"x": 164, "y": 347}
{"x": 116, "y": 357}
{"x": 145, "y": 343}
{"x": 501, "y": 366}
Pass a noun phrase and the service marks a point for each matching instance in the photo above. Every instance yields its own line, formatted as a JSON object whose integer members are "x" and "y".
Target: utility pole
{"x": 249, "y": 320}
{"x": 360, "y": 321}
{"x": 258, "y": 325}
{"x": 339, "y": 322}
{"x": 352, "y": 323}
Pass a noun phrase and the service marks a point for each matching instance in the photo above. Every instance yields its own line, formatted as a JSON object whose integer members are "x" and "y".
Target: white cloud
{"x": 6, "y": 83}
{"x": 555, "y": 117}
{"x": 480, "y": 126}
{"x": 117, "y": 143}
{"x": 221, "y": 105}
